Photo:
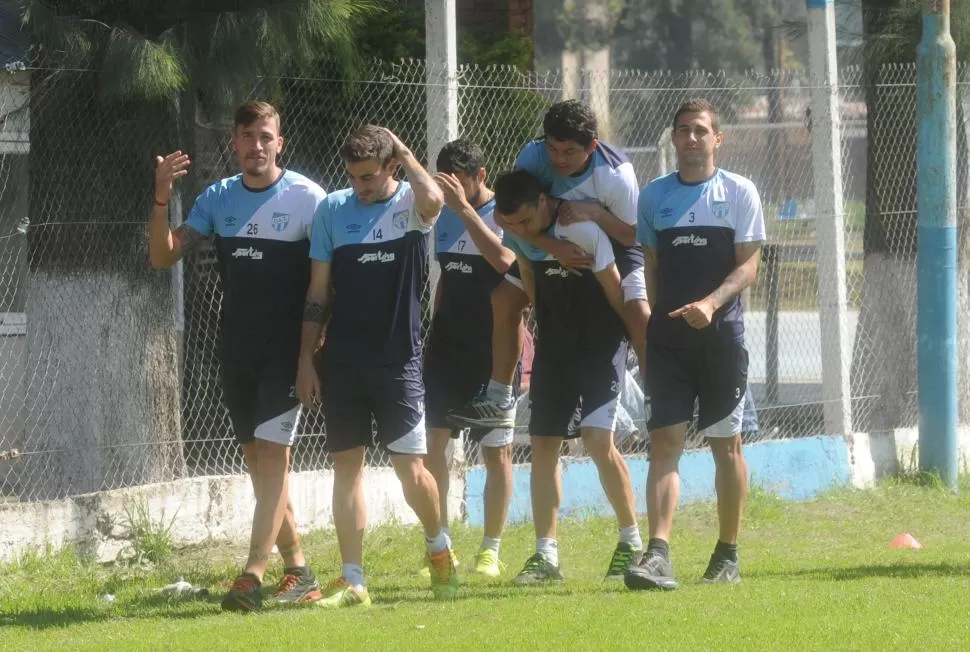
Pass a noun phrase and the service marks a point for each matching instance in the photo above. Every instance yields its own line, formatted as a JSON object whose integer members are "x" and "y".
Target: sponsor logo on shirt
{"x": 458, "y": 266}
{"x": 279, "y": 221}
{"x": 248, "y": 252}
{"x": 353, "y": 228}
{"x": 690, "y": 240}
{"x": 377, "y": 257}
{"x": 557, "y": 271}
{"x": 229, "y": 220}
{"x": 666, "y": 212}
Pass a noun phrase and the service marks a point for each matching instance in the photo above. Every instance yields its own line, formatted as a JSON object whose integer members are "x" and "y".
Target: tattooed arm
{"x": 315, "y": 312}
{"x": 166, "y": 248}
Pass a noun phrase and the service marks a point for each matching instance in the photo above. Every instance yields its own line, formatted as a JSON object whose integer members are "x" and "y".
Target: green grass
{"x": 817, "y": 575}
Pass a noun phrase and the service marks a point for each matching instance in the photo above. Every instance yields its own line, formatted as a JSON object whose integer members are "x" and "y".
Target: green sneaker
{"x": 487, "y": 563}
{"x": 339, "y": 594}
{"x": 425, "y": 571}
{"x": 624, "y": 557}
{"x": 537, "y": 570}
{"x": 444, "y": 575}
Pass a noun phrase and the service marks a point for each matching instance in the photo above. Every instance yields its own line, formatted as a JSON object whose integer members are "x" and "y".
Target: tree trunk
{"x": 102, "y": 365}
{"x": 884, "y": 356}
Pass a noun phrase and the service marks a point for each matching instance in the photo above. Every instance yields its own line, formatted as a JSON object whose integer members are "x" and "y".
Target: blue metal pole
{"x": 936, "y": 322}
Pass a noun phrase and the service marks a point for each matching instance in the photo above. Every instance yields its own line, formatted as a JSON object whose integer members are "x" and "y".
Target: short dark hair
{"x": 461, "y": 155}
{"x": 515, "y": 189}
{"x": 252, "y": 111}
{"x": 366, "y": 143}
{"x": 570, "y": 120}
{"x": 697, "y": 105}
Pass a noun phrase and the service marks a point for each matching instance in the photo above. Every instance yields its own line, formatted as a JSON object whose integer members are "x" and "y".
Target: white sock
{"x": 491, "y": 543}
{"x": 548, "y": 548}
{"x": 631, "y": 535}
{"x": 501, "y": 394}
{"x": 353, "y": 574}
{"x": 438, "y": 543}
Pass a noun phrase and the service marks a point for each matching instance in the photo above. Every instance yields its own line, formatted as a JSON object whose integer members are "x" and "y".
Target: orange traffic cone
{"x": 905, "y": 540}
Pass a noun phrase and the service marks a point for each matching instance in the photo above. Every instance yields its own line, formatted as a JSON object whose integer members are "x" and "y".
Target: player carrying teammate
{"x": 261, "y": 221}
{"x": 458, "y": 358}
{"x": 601, "y": 187}
{"x": 370, "y": 264}
{"x": 702, "y": 229}
{"x": 580, "y": 357}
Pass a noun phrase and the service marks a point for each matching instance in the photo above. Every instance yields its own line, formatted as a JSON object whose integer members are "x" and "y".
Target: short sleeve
{"x": 321, "y": 237}
{"x": 415, "y": 221}
{"x": 528, "y": 158}
{"x": 591, "y": 239}
{"x": 750, "y": 221}
{"x": 200, "y": 217}
{"x": 511, "y": 243}
{"x": 646, "y": 231}
{"x": 621, "y": 196}
{"x": 317, "y": 196}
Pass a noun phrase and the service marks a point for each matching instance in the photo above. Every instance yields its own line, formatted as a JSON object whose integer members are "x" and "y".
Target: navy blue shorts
{"x": 393, "y": 395}
{"x": 576, "y": 390}
{"x": 450, "y": 382}
{"x": 715, "y": 377}
{"x": 258, "y": 391}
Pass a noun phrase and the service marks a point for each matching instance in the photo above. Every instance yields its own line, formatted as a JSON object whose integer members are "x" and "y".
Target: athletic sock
{"x": 631, "y": 535}
{"x": 353, "y": 574}
{"x": 438, "y": 543}
{"x": 727, "y": 551}
{"x": 501, "y": 394}
{"x": 491, "y": 543}
{"x": 660, "y": 547}
{"x": 548, "y": 548}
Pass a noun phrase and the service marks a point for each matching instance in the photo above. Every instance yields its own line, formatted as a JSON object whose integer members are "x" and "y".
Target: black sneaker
{"x": 653, "y": 573}
{"x": 625, "y": 556}
{"x": 537, "y": 570}
{"x": 721, "y": 571}
{"x": 483, "y": 412}
{"x": 297, "y": 585}
{"x": 245, "y": 595}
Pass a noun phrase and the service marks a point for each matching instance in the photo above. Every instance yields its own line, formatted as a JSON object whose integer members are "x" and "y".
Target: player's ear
{"x": 482, "y": 175}
{"x": 592, "y": 145}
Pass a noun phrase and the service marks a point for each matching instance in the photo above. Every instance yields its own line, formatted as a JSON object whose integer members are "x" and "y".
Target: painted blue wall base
{"x": 796, "y": 469}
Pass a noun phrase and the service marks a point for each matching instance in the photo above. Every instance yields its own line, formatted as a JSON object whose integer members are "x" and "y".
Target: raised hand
{"x": 452, "y": 190}
{"x": 167, "y": 170}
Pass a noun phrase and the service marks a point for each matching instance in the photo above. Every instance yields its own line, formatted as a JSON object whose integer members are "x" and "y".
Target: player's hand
{"x": 698, "y": 314}
{"x": 307, "y": 383}
{"x": 573, "y": 212}
{"x": 454, "y": 194}
{"x": 167, "y": 170}
{"x": 400, "y": 149}
{"x": 572, "y": 257}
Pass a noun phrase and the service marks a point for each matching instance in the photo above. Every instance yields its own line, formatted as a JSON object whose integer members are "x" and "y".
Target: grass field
{"x": 817, "y": 575}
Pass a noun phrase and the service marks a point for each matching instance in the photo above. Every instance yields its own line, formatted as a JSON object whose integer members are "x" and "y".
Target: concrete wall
{"x": 220, "y": 508}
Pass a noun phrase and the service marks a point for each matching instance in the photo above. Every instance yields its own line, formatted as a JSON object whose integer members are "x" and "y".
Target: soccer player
{"x": 370, "y": 263}
{"x": 601, "y": 186}
{"x": 458, "y": 357}
{"x": 261, "y": 222}
{"x": 580, "y": 359}
{"x": 702, "y": 229}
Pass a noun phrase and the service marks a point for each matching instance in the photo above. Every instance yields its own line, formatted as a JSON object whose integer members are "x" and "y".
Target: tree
{"x": 114, "y": 84}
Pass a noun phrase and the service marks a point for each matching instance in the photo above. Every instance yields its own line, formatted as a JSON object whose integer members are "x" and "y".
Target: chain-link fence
{"x": 108, "y": 369}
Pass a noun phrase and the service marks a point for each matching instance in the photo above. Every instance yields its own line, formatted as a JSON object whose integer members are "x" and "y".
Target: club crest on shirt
{"x": 721, "y": 209}
{"x": 279, "y": 221}
{"x": 400, "y": 220}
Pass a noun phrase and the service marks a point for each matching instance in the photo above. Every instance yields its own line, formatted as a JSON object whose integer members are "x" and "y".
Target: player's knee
{"x": 599, "y": 445}
{"x": 409, "y": 470}
{"x": 727, "y": 450}
{"x": 665, "y": 447}
{"x": 508, "y": 302}
{"x": 545, "y": 450}
{"x": 497, "y": 457}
